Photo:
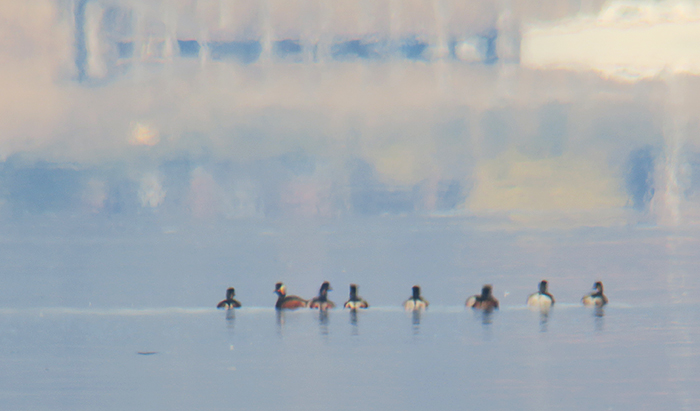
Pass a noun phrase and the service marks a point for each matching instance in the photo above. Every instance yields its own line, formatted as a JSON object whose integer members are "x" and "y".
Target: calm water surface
{"x": 122, "y": 320}
{"x": 632, "y": 358}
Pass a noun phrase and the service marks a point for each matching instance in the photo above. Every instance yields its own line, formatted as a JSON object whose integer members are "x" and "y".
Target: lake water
{"x": 109, "y": 317}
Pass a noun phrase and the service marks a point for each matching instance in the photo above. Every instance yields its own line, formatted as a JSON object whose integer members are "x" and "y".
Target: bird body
{"x": 596, "y": 298}
{"x": 485, "y": 301}
{"x": 355, "y": 301}
{"x": 229, "y": 303}
{"x": 416, "y": 302}
{"x": 322, "y": 302}
{"x": 541, "y": 299}
{"x": 288, "y": 302}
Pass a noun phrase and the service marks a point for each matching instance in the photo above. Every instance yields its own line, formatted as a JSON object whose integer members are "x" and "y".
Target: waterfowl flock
{"x": 485, "y": 301}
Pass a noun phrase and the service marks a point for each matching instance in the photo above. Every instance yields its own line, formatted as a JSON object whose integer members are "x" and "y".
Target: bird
{"x": 485, "y": 301}
{"x": 321, "y": 301}
{"x": 542, "y": 299}
{"x": 229, "y": 303}
{"x": 416, "y": 302}
{"x": 596, "y": 298}
{"x": 355, "y": 301}
{"x": 290, "y": 302}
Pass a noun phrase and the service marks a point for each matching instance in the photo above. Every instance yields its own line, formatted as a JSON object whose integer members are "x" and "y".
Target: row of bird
{"x": 485, "y": 301}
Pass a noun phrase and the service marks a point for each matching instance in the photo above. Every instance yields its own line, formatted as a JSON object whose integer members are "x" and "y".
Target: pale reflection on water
{"x": 323, "y": 322}
{"x": 415, "y": 321}
{"x": 599, "y": 320}
{"x": 231, "y": 318}
{"x": 544, "y": 318}
{"x": 353, "y": 321}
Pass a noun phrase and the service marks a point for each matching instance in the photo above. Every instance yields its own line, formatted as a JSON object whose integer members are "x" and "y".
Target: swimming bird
{"x": 485, "y": 301}
{"x": 541, "y": 299}
{"x": 321, "y": 301}
{"x": 596, "y": 298}
{"x": 229, "y": 303}
{"x": 355, "y": 301}
{"x": 416, "y": 302}
{"x": 290, "y": 302}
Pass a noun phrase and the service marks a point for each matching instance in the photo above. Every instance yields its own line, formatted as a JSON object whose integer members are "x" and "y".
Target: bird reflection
{"x": 353, "y": 322}
{"x": 353, "y": 317}
{"x": 415, "y": 321}
{"x": 323, "y": 321}
{"x": 599, "y": 316}
{"x": 544, "y": 318}
{"x": 486, "y": 316}
{"x": 280, "y": 321}
{"x": 230, "y": 318}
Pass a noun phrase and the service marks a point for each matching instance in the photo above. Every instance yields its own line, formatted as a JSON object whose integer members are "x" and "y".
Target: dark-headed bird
{"x": 289, "y": 302}
{"x": 355, "y": 301}
{"x": 321, "y": 301}
{"x": 485, "y": 301}
{"x": 596, "y": 298}
{"x": 541, "y": 299}
{"x": 229, "y": 303}
{"x": 416, "y": 302}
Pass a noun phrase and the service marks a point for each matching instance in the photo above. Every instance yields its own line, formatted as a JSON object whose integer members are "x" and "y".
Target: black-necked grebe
{"x": 289, "y": 302}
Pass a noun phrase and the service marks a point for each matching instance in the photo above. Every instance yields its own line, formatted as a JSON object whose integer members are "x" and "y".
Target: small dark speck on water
{"x": 147, "y": 352}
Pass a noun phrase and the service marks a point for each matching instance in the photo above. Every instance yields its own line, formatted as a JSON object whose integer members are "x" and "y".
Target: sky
{"x": 555, "y": 112}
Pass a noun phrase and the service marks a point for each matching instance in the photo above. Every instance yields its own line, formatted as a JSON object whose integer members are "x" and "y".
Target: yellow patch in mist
{"x": 515, "y": 182}
{"x": 143, "y": 135}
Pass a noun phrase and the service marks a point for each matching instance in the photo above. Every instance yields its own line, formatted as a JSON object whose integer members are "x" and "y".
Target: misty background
{"x": 236, "y": 109}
